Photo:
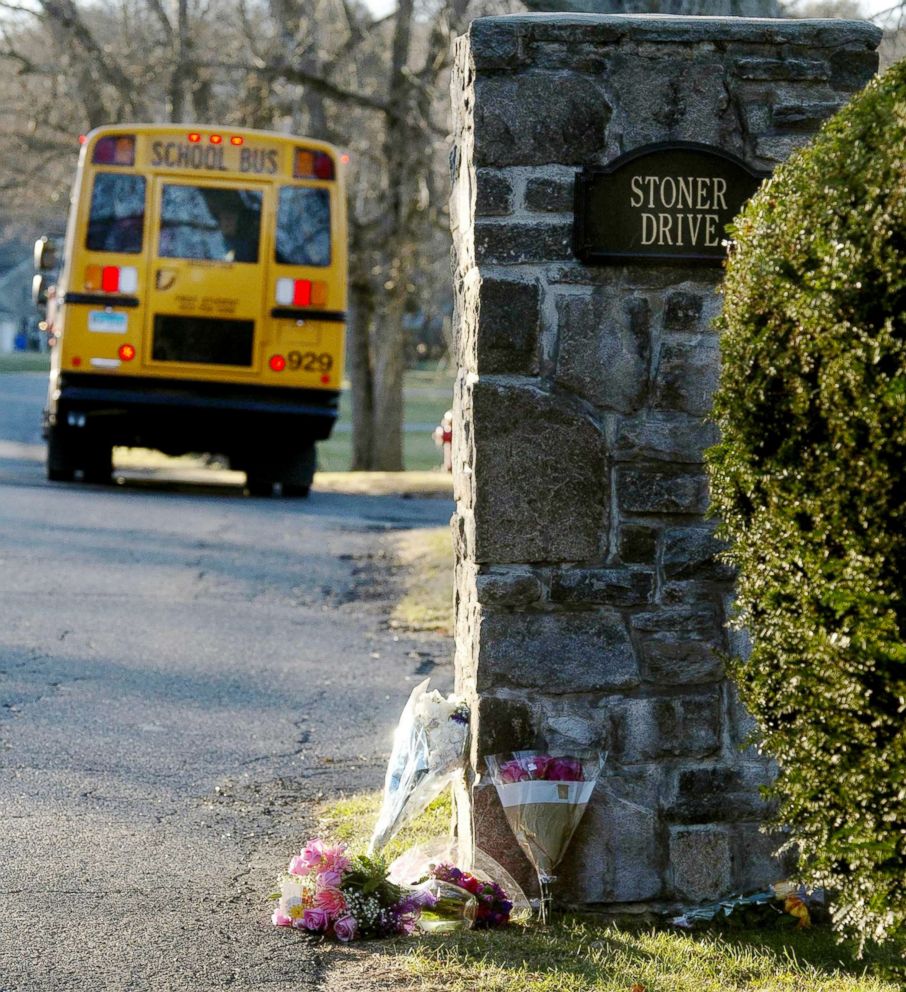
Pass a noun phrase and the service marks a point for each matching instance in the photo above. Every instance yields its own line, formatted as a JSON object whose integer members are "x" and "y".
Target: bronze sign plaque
{"x": 661, "y": 203}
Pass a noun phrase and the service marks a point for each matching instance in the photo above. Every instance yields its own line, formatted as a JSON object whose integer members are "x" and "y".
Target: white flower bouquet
{"x": 428, "y": 752}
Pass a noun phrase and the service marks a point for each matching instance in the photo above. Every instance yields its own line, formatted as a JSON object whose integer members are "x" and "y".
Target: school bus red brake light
{"x": 301, "y": 293}
{"x": 277, "y": 363}
{"x": 126, "y": 352}
{"x": 114, "y": 149}
{"x": 110, "y": 279}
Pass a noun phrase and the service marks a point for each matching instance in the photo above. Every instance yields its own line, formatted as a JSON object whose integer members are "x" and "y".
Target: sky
{"x": 381, "y": 7}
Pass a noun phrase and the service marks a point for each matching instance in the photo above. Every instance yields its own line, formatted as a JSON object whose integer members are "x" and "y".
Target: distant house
{"x": 18, "y": 317}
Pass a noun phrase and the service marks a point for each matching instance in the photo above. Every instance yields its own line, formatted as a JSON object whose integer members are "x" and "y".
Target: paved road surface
{"x": 184, "y": 672}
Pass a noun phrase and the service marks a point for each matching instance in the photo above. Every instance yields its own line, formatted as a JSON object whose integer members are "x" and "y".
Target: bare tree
{"x": 329, "y": 68}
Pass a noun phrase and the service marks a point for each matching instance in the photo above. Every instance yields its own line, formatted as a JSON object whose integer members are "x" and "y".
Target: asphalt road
{"x": 184, "y": 673}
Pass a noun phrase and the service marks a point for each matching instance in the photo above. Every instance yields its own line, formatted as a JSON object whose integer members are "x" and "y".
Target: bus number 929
{"x": 308, "y": 361}
{"x": 200, "y": 265}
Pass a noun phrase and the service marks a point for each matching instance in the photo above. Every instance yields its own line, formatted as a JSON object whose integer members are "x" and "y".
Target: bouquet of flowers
{"x": 418, "y": 864}
{"x": 494, "y": 905}
{"x": 428, "y": 751}
{"x": 327, "y": 892}
{"x": 544, "y": 797}
{"x": 782, "y": 906}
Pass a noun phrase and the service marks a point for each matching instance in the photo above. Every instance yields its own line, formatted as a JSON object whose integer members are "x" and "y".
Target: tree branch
{"x": 19, "y": 9}
{"x": 294, "y": 74}
{"x": 157, "y": 7}
{"x": 65, "y": 14}
{"x": 26, "y": 66}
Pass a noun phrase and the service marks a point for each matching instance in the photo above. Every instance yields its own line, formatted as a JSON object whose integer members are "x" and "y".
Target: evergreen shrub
{"x": 809, "y": 480}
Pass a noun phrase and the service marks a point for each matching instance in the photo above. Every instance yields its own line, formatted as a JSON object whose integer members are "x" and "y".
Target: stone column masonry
{"x": 590, "y": 607}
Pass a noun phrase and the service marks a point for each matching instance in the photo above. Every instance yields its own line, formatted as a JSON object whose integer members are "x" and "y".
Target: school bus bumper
{"x": 179, "y": 417}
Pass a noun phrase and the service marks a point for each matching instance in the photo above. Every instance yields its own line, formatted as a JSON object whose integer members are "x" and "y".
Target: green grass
{"x": 352, "y": 819}
{"x": 580, "y": 955}
{"x": 427, "y": 602}
{"x": 584, "y": 954}
{"x": 25, "y": 361}
{"x": 427, "y": 395}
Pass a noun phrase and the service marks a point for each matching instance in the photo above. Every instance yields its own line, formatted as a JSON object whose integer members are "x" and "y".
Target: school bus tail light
{"x": 126, "y": 352}
{"x": 301, "y": 293}
{"x": 114, "y": 149}
{"x": 277, "y": 363}
{"x": 309, "y": 164}
{"x": 111, "y": 278}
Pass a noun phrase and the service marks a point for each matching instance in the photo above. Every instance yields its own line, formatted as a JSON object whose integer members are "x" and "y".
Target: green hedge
{"x": 810, "y": 482}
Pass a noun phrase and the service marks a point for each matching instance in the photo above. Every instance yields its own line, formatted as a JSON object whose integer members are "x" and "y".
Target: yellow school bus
{"x": 201, "y": 304}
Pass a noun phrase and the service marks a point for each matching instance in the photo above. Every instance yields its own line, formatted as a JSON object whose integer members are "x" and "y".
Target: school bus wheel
{"x": 97, "y": 462}
{"x": 257, "y": 485}
{"x": 297, "y": 473}
{"x": 60, "y": 462}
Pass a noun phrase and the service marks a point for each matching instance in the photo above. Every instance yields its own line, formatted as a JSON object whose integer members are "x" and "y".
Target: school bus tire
{"x": 60, "y": 463}
{"x": 297, "y": 477}
{"x": 97, "y": 463}
{"x": 258, "y": 486}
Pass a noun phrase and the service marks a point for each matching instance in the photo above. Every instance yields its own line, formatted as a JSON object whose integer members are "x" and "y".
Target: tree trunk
{"x": 387, "y": 351}
{"x": 361, "y": 373}
{"x": 180, "y": 76}
{"x": 388, "y": 383}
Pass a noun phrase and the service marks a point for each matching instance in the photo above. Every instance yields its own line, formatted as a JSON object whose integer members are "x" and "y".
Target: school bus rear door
{"x": 206, "y": 276}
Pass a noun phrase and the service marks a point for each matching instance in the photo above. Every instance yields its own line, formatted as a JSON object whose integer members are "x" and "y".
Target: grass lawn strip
{"x": 581, "y": 954}
{"x": 414, "y": 483}
{"x": 426, "y": 396}
{"x": 427, "y": 602}
{"x": 25, "y": 361}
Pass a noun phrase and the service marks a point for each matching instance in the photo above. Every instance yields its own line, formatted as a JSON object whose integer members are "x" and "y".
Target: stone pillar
{"x": 591, "y": 610}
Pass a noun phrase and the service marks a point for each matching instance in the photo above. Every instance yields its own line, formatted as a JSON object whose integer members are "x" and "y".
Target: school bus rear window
{"x": 117, "y": 218}
{"x": 210, "y": 223}
{"x": 303, "y": 226}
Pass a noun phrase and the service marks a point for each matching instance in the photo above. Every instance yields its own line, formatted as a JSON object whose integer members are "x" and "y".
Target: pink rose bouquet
{"x": 544, "y": 797}
{"x": 325, "y": 891}
{"x": 530, "y": 767}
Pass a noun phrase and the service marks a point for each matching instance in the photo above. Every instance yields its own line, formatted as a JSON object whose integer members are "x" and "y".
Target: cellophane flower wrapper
{"x": 420, "y": 861}
{"x": 428, "y": 752}
{"x": 544, "y": 797}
